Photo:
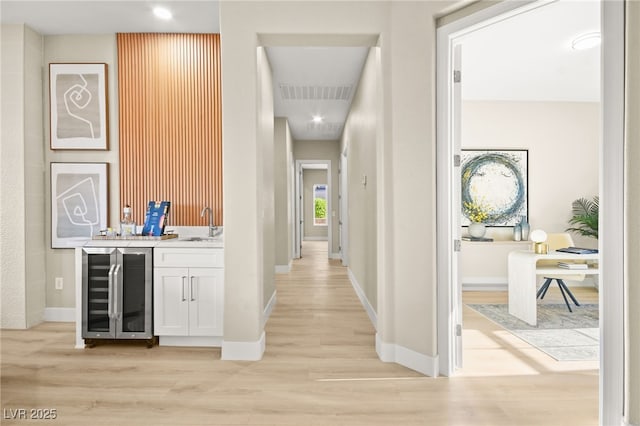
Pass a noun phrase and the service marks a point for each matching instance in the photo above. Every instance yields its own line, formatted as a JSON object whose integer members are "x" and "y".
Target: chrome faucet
{"x": 212, "y": 227}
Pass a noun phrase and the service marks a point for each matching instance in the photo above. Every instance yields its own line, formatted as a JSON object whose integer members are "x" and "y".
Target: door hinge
{"x": 457, "y": 76}
{"x": 457, "y": 245}
{"x": 458, "y": 330}
{"x": 456, "y": 160}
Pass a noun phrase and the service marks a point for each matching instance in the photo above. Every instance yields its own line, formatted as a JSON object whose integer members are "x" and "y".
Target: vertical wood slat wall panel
{"x": 170, "y": 124}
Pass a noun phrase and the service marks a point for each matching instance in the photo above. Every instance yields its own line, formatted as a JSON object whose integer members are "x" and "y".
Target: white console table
{"x": 523, "y": 271}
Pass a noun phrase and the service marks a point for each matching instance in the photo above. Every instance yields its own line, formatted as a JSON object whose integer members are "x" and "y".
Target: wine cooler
{"x": 117, "y": 293}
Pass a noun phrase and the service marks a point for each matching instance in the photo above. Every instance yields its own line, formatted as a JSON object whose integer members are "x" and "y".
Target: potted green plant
{"x": 585, "y": 217}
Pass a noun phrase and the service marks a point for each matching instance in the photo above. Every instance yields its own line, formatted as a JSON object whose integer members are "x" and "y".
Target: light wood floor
{"x": 320, "y": 368}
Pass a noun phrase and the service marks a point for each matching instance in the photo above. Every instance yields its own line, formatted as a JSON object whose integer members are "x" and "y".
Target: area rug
{"x": 563, "y": 335}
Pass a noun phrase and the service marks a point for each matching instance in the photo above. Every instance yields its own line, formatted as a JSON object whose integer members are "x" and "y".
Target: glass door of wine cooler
{"x": 135, "y": 304}
{"x": 98, "y": 267}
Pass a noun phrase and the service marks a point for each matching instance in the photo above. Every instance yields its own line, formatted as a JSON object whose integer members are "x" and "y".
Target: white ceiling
{"x": 527, "y": 57}
{"x": 104, "y": 17}
{"x": 315, "y": 81}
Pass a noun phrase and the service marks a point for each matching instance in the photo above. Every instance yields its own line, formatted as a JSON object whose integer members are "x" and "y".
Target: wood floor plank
{"x": 319, "y": 368}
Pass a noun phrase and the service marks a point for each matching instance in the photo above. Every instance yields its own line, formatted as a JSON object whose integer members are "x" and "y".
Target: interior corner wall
{"x": 283, "y": 181}
{"x": 413, "y": 177}
{"x": 359, "y": 138}
{"x": 632, "y": 238}
{"x": 324, "y": 150}
{"x": 22, "y": 275}
{"x": 78, "y": 48}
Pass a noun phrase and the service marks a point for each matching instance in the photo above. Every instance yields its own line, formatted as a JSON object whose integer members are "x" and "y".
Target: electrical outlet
{"x": 59, "y": 283}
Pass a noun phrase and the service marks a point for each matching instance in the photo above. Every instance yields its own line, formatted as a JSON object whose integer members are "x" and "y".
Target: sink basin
{"x": 200, "y": 238}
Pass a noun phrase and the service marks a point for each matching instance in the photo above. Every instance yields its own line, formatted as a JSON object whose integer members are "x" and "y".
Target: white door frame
{"x": 611, "y": 193}
{"x": 299, "y": 198}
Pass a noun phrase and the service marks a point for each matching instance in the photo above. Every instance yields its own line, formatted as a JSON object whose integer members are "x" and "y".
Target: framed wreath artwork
{"x": 496, "y": 180}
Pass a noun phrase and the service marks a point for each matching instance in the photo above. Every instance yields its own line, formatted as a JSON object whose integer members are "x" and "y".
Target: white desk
{"x": 523, "y": 272}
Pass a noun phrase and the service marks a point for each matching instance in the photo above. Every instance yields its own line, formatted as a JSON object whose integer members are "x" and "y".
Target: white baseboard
{"x": 480, "y": 286}
{"x": 373, "y": 317}
{"x": 389, "y": 352}
{"x": 193, "y": 341}
{"x": 335, "y": 256}
{"x": 283, "y": 269}
{"x": 243, "y": 351}
{"x": 500, "y": 283}
{"x": 315, "y": 239}
{"x": 60, "y": 314}
{"x": 268, "y": 309}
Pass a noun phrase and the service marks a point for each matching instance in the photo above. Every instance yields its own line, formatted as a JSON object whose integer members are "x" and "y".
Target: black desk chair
{"x": 555, "y": 242}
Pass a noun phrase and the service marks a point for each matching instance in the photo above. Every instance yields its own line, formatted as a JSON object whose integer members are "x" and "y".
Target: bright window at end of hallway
{"x": 320, "y": 205}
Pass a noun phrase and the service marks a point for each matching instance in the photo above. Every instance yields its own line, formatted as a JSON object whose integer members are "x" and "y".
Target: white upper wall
{"x": 562, "y": 139}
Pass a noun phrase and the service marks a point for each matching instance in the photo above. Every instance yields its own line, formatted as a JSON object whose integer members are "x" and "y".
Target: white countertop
{"x": 184, "y": 239}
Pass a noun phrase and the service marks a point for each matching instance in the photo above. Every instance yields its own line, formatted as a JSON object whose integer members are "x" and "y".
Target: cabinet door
{"x": 206, "y": 301}
{"x": 171, "y": 301}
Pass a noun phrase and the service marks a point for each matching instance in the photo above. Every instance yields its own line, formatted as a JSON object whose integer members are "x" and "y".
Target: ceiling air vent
{"x": 292, "y": 92}
{"x": 324, "y": 127}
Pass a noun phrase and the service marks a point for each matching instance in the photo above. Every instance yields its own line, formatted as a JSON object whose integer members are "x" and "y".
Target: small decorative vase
{"x": 524, "y": 228}
{"x": 517, "y": 233}
{"x": 477, "y": 230}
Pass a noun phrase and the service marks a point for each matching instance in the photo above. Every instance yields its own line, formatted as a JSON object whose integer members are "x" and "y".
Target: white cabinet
{"x": 188, "y": 285}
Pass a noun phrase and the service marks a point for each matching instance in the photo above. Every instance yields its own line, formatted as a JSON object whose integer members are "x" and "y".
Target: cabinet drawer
{"x": 189, "y": 257}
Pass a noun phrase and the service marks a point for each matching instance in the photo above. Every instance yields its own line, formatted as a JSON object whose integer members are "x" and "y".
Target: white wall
{"x": 632, "y": 208}
{"x": 359, "y": 140}
{"x": 563, "y": 143}
{"x": 266, "y": 141}
{"x": 79, "y": 48}
{"x": 243, "y": 123}
{"x": 22, "y": 236}
{"x": 283, "y": 184}
{"x": 409, "y": 92}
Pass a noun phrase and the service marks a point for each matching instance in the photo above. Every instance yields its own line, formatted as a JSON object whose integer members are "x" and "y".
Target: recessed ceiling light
{"x": 586, "y": 41}
{"x": 162, "y": 13}
{"x": 317, "y": 119}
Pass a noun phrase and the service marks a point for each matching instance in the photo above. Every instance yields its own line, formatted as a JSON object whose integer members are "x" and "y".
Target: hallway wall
{"x": 632, "y": 242}
{"x": 359, "y": 140}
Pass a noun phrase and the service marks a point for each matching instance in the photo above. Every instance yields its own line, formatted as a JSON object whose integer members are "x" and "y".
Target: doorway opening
{"x": 313, "y": 204}
{"x": 609, "y": 158}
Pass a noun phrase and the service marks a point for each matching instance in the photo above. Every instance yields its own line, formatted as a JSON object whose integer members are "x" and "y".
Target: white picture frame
{"x": 78, "y": 106}
{"x": 79, "y": 202}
